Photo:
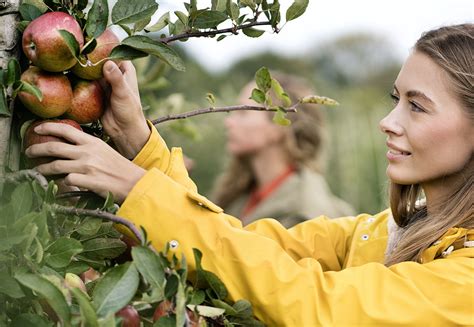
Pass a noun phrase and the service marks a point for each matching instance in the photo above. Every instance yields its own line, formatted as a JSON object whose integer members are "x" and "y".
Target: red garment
{"x": 264, "y": 192}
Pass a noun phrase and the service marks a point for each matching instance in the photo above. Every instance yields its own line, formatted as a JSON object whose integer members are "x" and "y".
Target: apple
{"x": 31, "y": 137}
{"x": 88, "y": 102}
{"x": 45, "y": 47}
{"x": 72, "y": 280}
{"x": 56, "y": 90}
{"x": 163, "y": 309}
{"x": 105, "y": 43}
{"x": 130, "y": 317}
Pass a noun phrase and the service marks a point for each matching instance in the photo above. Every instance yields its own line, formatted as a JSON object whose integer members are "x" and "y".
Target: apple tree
{"x": 62, "y": 259}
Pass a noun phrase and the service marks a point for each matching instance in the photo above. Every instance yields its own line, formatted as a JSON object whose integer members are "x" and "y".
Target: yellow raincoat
{"x": 320, "y": 272}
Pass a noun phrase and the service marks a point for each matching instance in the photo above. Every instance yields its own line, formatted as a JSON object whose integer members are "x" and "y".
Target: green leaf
{"x": 221, "y": 37}
{"x": 280, "y": 118}
{"x": 88, "y": 48}
{"x": 129, "y": 12}
{"x": 71, "y": 42}
{"x": 197, "y": 297}
{"x": 166, "y": 322}
{"x": 296, "y": 9}
{"x": 155, "y": 48}
{"x": 30, "y": 319}
{"x": 22, "y": 200}
{"x": 252, "y": 32}
{"x": 219, "y": 5}
{"x": 248, "y": 3}
{"x": 23, "y": 25}
{"x": 127, "y": 29}
{"x": 124, "y": 52}
{"x": 180, "y": 309}
{"x": 29, "y": 12}
{"x": 206, "y": 311}
{"x": 258, "y": 96}
{"x": 61, "y": 252}
{"x": 263, "y": 79}
{"x": 182, "y": 17}
{"x": 103, "y": 248}
{"x": 116, "y": 289}
{"x": 229, "y": 310}
{"x": 233, "y": 10}
{"x": 4, "y": 111}
{"x": 97, "y": 18}
{"x": 171, "y": 286}
{"x": 280, "y": 93}
{"x": 140, "y": 25}
{"x": 31, "y": 89}
{"x": 89, "y": 226}
{"x": 49, "y": 292}
{"x": 13, "y": 71}
{"x": 89, "y": 317}
{"x": 10, "y": 286}
{"x": 109, "y": 201}
{"x": 150, "y": 266}
{"x": 316, "y": 99}
{"x": 207, "y": 19}
{"x": 211, "y": 98}
{"x": 243, "y": 308}
{"x": 160, "y": 24}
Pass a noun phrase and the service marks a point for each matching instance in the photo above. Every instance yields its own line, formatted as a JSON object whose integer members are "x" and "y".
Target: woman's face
{"x": 249, "y": 132}
{"x": 429, "y": 135}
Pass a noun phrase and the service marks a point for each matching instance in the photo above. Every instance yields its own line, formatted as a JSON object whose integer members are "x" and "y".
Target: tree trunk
{"x": 10, "y": 44}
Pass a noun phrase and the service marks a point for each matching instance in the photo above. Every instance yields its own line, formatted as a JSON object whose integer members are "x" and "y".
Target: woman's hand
{"x": 88, "y": 162}
{"x": 123, "y": 119}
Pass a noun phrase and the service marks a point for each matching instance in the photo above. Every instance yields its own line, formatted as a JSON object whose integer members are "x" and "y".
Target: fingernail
{"x": 38, "y": 129}
{"x": 110, "y": 67}
{"x": 27, "y": 151}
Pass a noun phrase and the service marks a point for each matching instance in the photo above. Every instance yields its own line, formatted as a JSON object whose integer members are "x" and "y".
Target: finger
{"x": 58, "y": 167}
{"x": 116, "y": 79}
{"x": 130, "y": 74}
{"x": 52, "y": 149}
{"x": 65, "y": 131}
{"x": 83, "y": 182}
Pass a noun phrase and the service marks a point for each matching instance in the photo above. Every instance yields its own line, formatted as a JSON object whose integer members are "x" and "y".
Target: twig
{"x": 232, "y": 30}
{"x": 73, "y": 194}
{"x": 99, "y": 214}
{"x": 26, "y": 174}
{"x": 217, "y": 109}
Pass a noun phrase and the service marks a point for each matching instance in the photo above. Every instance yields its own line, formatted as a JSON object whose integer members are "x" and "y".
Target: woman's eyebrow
{"x": 414, "y": 94}
{"x": 419, "y": 94}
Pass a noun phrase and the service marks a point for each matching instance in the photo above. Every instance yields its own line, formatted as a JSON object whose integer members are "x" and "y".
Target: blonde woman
{"x": 412, "y": 264}
{"x": 276, "y": 171}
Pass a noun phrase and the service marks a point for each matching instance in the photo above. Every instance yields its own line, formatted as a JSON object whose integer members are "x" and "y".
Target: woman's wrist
{"x": 129, "y": 142}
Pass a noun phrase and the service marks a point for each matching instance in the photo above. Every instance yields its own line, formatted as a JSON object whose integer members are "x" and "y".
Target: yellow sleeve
{"x": 278, "y": 271}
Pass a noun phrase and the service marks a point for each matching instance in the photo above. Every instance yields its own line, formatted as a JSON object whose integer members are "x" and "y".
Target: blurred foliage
{"x": 358, "y": 70}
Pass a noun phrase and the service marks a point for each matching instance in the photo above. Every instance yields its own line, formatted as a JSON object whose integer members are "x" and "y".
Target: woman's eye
{"x": 395, "y": 98}
{"x": 415, "y": 107}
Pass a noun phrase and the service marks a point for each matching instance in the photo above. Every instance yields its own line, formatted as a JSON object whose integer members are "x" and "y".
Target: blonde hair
{"x": 450, "y": 47}
{"x": 303, "y": 144}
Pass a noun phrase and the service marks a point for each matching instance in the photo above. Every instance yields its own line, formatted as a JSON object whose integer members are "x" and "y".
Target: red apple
{"x": 90, "y": 275}
{"x": 31, "y": 137}
{"x": 105, "y": 43}
{"x": 163, "y": 309}
{"x": 130, "y": 317}
{"x": 56, "y": 90}
{"x": 88, "y": 102}
{"x": 45, "y": 47}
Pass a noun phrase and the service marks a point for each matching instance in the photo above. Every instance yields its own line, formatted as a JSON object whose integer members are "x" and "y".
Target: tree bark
{"x": 10, "y": 44}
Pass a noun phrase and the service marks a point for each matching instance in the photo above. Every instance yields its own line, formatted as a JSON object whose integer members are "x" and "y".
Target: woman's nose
{"x": 390, "y": 124}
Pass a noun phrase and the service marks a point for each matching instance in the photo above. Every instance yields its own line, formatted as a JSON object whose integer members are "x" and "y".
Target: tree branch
{"x": 216, "y": 109}
{"x": 99, "y": 214}
{"x": 26, "y": 174}
{"x": 232, "y": 30}
{"x": 73, "y": 194}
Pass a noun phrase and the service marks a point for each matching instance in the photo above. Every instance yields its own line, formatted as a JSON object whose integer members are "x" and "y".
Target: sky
{"x": 401, "y": 22}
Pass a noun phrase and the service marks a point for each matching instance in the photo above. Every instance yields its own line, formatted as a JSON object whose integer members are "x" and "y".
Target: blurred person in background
{"x": 277, "y": 171}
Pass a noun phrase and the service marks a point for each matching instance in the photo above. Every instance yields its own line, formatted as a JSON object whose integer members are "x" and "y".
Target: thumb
{"x": 113, "y": 75}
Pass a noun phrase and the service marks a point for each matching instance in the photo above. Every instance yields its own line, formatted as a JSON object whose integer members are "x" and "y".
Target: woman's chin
{"x": 399, "y": 178}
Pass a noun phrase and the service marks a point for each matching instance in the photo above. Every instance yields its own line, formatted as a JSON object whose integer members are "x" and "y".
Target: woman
{"x": 275, "y": 171}
{"x": 347, "y": 271}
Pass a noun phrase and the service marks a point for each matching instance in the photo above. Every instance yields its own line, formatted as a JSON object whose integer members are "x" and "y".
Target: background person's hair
{"x": 303, "y": 143}
{"x": 451, "y": 48}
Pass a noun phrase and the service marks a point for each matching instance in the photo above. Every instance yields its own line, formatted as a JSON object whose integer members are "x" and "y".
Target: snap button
{"x": 365, "y": 237}
{"x": 173, "y": 244}
{"x": 200, "y": 204}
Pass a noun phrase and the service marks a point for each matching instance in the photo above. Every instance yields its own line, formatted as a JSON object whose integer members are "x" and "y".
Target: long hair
{"x": 452, "y": 48}
{"x": 303, "y": 144}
